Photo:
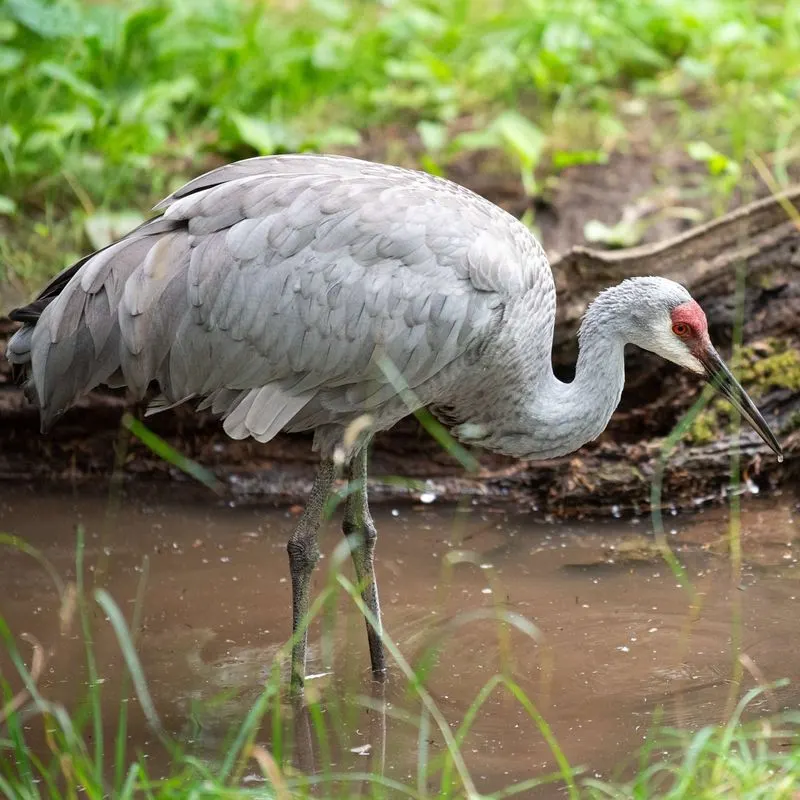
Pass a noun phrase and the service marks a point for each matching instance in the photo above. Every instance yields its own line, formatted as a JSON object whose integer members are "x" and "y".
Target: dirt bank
{"x": 616, "y": 470}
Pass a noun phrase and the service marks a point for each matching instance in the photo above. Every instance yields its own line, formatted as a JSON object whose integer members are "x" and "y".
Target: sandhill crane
{"x": 275, "y": 290}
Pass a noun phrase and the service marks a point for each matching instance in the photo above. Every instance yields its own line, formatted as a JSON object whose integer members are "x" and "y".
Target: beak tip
{"x": 721, "y": 378}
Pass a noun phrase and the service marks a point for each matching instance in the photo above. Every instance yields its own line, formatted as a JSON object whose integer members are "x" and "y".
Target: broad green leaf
{"x": 10, "y": 59}
{"x": 337, "y": 136}
{"x": 7, "y": 206}
{"x": 477, "y": 140}
{"x": 258, "y": 133}
{"x": 700, "y": 151}
{"x": 623, "y": 234}
{"x": 57, "y": 128}
{"x": 569, "y": 158}
{"x": 432, "y": 134}
{"x": 48, "y": 20}
{"x": 156, "y": 102}
{"x": 717, "y": 163}
{"x": 337, "y": 11}
{"x": 8, "y": 30}
{"x": 524, "y": 138}
{"x": 80, "y": 87}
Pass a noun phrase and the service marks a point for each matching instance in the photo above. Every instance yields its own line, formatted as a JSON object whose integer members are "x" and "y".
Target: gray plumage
{"x": 274, "y": 287}
{"x": 289, "y": 292}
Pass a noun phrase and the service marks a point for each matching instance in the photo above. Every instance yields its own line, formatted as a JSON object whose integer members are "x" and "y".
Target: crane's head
{"x": 668, "y": 322}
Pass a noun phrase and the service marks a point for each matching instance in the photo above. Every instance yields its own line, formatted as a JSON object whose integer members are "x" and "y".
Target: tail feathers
{"x": 18, "y": 352}
{"x": 152, "y": 300}
{"x": 58, "y": 377}
{"x": 261, "y": 413}
{"x": 18, "y": 349}
{"x": 74, "y": 338}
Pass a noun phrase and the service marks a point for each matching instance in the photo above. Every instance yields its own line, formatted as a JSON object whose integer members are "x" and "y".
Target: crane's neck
{"x": 566, "y": 416}
{"x": 554, "y": 418}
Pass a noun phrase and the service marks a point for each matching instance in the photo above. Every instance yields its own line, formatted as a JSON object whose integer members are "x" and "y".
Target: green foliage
{"x": 705, "y": 427}
{"x": 105, "y": 107}
{"x": 754, "y": 761}
{"x": 724, "y": 173}
{"x": 105, "y": 99}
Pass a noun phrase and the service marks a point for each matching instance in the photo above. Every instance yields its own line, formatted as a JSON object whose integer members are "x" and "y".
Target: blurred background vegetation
{"x": 106, "y": 106}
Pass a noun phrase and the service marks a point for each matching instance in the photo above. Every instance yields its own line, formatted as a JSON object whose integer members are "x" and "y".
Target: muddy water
{"x": 612, "y": 635}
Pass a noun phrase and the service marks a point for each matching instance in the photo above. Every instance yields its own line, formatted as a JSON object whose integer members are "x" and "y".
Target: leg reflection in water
{"x": 307, "y": 751}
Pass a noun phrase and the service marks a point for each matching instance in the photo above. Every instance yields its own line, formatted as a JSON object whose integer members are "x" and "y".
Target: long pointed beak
{"x": 720, "y": 377}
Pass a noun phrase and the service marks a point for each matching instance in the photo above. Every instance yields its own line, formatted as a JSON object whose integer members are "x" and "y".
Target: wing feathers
{"x": 275, "y": 282}
{"x": 75, "y": 341}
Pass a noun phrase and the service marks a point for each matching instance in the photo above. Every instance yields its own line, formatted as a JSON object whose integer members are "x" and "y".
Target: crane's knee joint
{"x": 364, "y": 533}
{"x": 352, "y": 529}
{"x": 303, "y": 555}
{"x": 370, "y": 533}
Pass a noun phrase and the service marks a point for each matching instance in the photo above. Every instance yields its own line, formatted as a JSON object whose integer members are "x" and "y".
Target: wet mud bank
{"x": 756, "y": 246}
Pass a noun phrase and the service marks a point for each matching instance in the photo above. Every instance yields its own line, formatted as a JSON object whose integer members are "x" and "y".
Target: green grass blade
{"x": 547, "y": 734}
{"x": 10, "y": 540}
{"x": 8, "y": 791}
{"x": 426, "y": 419}
{"x": 168, "y": 453}
{"x": 657, "y": 487}
{"x": 95, "y": 709}
{"x": 356, "y": 777}
{"x": 423, "y": 736}
{"x": 106, "y": 602}
{"x": 246, "y": 734}
{"x": 466, "y": 724}
{"x": 527, "y": 785}
{"x": 424, "y": 695}
{"x": 120, "y": 750}
{"x": 129, "y": 788}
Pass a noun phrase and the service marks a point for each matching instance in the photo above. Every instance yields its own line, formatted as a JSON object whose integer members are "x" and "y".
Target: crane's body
{"x": 274, "y": 290}
{"x": 302, "y": 292}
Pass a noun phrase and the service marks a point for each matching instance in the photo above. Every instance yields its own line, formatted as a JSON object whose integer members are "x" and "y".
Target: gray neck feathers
{"x": 544, "y": 417}
{"x": 558, "y": 418}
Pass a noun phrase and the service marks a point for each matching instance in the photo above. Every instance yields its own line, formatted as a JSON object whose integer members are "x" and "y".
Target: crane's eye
{"x": 681, "y": 329}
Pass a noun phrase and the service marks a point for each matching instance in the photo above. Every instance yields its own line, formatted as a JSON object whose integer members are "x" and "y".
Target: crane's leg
{"x": 359, "y": 527}
{"x": 303, "y": 557}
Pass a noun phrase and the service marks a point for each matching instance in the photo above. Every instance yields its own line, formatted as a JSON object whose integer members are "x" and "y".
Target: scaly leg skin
{"x": 303, "y": 754}
{"x": 377, "y": 764}
{"x": 303, "y": 556}
{"x": 359, "y": 527}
